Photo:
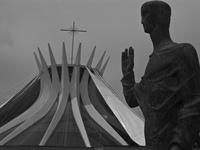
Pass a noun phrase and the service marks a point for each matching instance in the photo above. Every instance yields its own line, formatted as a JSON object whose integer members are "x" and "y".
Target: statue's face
{"x": 147, "y": 19}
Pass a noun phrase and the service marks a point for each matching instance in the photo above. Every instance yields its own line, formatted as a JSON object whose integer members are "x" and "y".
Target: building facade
{"x": 69, "y": 105}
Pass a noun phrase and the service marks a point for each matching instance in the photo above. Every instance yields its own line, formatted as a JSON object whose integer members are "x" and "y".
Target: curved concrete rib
{"x": 42, "y": 98}
{"x": 100, "y": 61}
{"x": 38, "y": 62}
{"x": 75, "y": 91}
{"x": 54, "y": 73}
{"x": 63, "y": 98}
{"x": 89, "y": 63}
{"x": 94, "y": 113}
{"x": 43, "y": 62}
{"x": 104, "y": 66}
{"x": 133, "y": 125}
{"x": 137, "y": 122}
{"x": 50, "y": 99}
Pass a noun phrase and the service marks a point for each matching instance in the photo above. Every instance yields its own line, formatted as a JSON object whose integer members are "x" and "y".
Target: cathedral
{"x": 68, "y": 106}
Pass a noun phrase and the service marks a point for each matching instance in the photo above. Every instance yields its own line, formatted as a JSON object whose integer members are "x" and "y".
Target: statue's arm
{"x": 128, "y": 80}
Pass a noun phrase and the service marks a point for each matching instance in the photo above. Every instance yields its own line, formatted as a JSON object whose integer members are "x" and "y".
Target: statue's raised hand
{"x": 127, "y": 60}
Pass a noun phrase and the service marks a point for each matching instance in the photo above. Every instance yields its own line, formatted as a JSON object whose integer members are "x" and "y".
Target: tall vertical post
{"x": 72, "y": 43}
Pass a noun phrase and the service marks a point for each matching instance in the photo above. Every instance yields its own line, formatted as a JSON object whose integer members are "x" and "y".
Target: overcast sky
{"x": 111, "y": 25}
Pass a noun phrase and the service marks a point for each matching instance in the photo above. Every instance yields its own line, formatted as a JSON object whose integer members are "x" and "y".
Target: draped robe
{"x": 169, "y": 96}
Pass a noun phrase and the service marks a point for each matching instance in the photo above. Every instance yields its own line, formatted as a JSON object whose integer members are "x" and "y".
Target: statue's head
{"x": 155, "y": 14}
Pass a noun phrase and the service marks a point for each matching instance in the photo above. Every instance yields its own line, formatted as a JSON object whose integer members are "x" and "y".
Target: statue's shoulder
{"x": 187, "y": 50}
{"x": 179, "y": 48}
{"x": 186, "y": 46}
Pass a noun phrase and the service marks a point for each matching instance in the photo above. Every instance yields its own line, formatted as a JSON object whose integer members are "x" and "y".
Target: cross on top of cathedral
{"x": 73, "y": 30}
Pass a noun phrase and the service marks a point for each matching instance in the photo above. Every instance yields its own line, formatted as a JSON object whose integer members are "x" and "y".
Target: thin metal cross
{"x": 73, "y": 30}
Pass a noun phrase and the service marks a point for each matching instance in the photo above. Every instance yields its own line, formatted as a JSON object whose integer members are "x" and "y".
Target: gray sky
{"x": 111, "y": 25}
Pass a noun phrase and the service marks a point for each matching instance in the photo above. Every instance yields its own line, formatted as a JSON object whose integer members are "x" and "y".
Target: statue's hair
{"x": 161, "y": 12}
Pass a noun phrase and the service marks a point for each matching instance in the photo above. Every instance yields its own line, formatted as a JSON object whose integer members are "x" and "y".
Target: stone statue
{"x": 169, "y": 92}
